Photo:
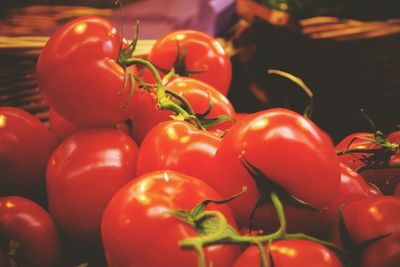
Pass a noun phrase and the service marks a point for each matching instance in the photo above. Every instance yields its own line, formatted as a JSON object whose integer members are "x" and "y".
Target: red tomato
{"x": 178, "y": 146}
{"x": 353, "y": 187}
{"x": 372, "y": 217}
{"x": 292, "y": 152}
{"x": 204, "y": 54}
{"x": 135, "y": 228}
{"x": 197, "y": 93}
{"x": 25, "y": 148}
{"x": 385, "y": 179}
{"x": 79, "y": 73}
{"x": 63, "y": 129}
{"x": 25, "y": 222}
{"x": 60, "y": 127}
{"x": 82, "y": 175}
{"x": 292, "y": 252}
{"x": 384, "y": 253}
{"x": 353, "y": 141}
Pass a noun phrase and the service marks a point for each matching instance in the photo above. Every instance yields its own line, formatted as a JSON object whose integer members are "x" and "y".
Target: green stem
{"x": 358, "y": 150}
{"x": 164, "y": 101}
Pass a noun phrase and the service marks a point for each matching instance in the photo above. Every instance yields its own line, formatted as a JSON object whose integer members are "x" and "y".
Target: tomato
{"x": 353, "y": 187}
{"x": 197, "y": 93}
{"x": 384, "y": 253}
{"x": 60, "y": 127}
{"x": 385, "y": 179}
{"x": 204, "y": 55}
{"x": 292, "y": 152}
{"x": 63, "y": 129}
{"x": 25, "y": 148}
{"x": 355, "y": 141}
{"x": 372, "y": 217}
{"x": 178, "y": 146}
{"x": 292, "y": 252}
{"x": 136, "y": 231}
{"x": 82, "y": 175}
{"x": 28, "y": 224}
{"x": 79, "y": 74}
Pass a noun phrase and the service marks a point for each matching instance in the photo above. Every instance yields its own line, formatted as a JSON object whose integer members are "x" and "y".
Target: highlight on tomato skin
{"x": 135, "y": 226}
{"x": 33, "y": 232}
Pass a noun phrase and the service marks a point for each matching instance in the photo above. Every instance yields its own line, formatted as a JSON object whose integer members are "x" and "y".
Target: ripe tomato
{"x": 25, "y": 148}
{"x": 63, "y": 129}
{"x": 178, "y": 146}
{"x": 385, "y": 179}
{"x": 292, "y": 152}
{"x": 353, "y": 187}
{"x": 291, "y": 252}
{"x": 204, "y": 55}
{"x": 135, "y": 228}
{"x": 372, "y": 217}
{"x": 79, "y": 74}
{"x": 28, "y": 224}
{"x": 82, "y": 175}
{"x": 197, "y": 93}
{"x": 384, "y": 253}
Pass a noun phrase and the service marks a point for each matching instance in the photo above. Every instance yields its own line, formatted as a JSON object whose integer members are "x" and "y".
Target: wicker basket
{"x": 350, "y": 64}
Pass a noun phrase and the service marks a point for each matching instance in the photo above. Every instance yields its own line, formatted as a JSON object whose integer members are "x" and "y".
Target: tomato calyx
{"x": 213, "y": 228}
{"x": 299, "y": 82}
{"x": 266, "y": 187}
{"x": 179, "y": 66}
{"x": 379, "y": 157}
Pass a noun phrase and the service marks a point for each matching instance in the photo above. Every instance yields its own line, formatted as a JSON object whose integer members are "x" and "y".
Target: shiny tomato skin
{"x": 136, "y": 231}
{"x": 204, "y": 53}
{"x": 79, "y": 74}
{"x": 25, "y": 222}
{"x": 353, "y": 141}
{"x": 63, "y": 129}
{"x": 25, "y": 148}
{"x": 82, "y": 175}
{"x": 197, "y": 93}
{"x": 385, "y": 179}
{"x": 384, "y": 253}
{"x": 353, "y": 187}
{"x": 288, "y": 149}
{"x": 178, "y": 146}
{"x": 372, "y": 217}
{"x": 291, "y": 252}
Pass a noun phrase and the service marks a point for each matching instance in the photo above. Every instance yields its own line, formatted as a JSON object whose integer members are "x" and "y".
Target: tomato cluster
{"x": 147, "y": 164}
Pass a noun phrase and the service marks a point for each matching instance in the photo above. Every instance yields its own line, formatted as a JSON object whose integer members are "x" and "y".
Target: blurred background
{"x": 347, "y": 52}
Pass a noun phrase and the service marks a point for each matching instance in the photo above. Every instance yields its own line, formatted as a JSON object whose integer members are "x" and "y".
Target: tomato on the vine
{"x": 383, "y": 253}
{"x": 385, "y": 179}
{"x": 31, "y": 227}
{"x": 196, "y": 54}
{"x": 79, "y": 73}
{"x": 138, "y": 231}
{"x": 82, "y": 175}
{"x": 197, "y": 93}
{"x": 292, "y": 152}
{"x": 291, "y": 252}
{"x": 25, "y": 148}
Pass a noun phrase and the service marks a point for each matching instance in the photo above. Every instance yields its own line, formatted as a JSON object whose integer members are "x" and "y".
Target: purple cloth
{"x": 158, "y": 17}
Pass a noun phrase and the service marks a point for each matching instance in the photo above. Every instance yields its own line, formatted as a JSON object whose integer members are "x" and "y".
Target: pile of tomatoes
{"x": 147, "y": 164}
